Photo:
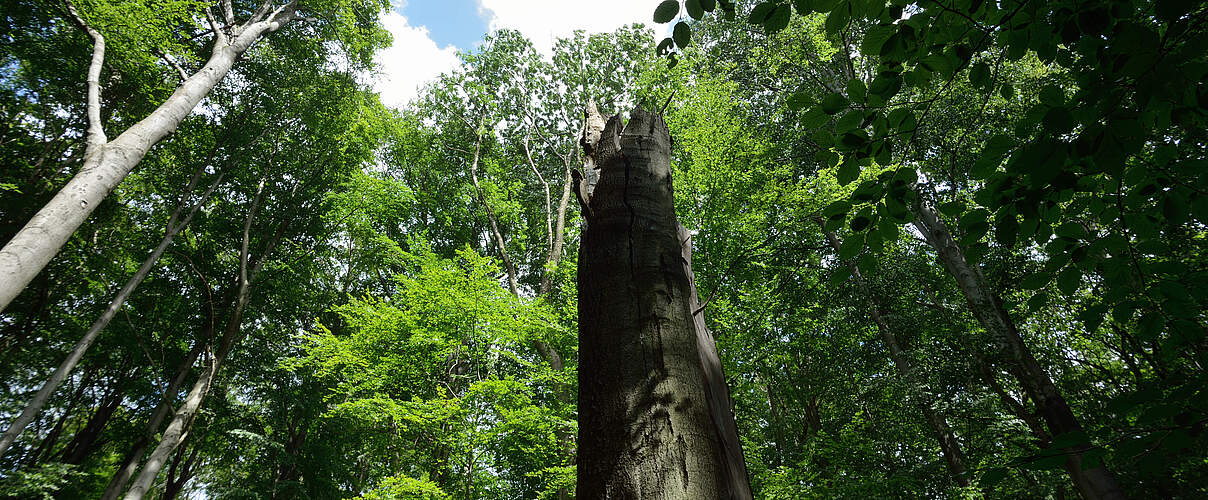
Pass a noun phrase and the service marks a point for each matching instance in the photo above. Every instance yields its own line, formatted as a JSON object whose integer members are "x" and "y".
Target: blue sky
{"x": 449, "y": 22}
{"x": 428, "y": 33}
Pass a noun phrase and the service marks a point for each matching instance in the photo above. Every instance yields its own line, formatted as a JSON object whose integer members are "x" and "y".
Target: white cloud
{"x": 413, "y": 60}
{"x": 544, "y": 21}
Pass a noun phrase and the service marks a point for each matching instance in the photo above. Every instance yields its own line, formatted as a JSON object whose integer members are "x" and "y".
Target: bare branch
{"x": 228, "y": 13}
{"x": 260, "y": 12}
{"x": 219, "y": 35}
{"x": 96, "y": 132}
{"x": 180, "y": 71}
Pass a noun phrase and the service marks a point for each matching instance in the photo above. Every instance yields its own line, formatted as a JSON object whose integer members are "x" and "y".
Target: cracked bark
{"x": 655, "y": 418}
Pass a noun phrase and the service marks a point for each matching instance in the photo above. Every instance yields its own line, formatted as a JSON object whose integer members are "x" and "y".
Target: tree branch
{"x": 180, "y": 71}
{"x": 96, "y": 132}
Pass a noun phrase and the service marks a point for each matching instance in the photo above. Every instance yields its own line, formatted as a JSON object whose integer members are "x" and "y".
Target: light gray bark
{"x": 178, "y": 428}
{"x": 77, "y": 352}
{"x": 949, "y": 446}
{"x": 106, "y": 164}
{"x": 655, "y": 420}
{"x": 496, "y": 234}
{"x": 1093, "y": 483}
{"x": 130, "y": 463}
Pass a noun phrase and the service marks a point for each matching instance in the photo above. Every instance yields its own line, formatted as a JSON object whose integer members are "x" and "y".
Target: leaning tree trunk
{"x": 130, "y": 462}
{"x": 949, "y": 446}
{"x": 182, "y": 421}
{"x": 655, "y": 418}
{"x": 107, "y": 163}
{"x": 1093, "y": 483}
{"x": 175, "y": 226}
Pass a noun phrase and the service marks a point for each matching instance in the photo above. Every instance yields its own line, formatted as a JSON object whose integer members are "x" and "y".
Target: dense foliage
{"x": 385, "y": 299}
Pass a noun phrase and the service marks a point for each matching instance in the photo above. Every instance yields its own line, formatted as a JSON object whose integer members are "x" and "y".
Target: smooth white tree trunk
{"x": 60, "y": 374}
{"x": 107, "y": 164}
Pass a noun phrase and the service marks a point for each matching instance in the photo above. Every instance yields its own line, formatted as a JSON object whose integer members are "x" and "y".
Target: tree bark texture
{"x": 949, "y": 446}
{"x": 655, "y": 418}
{"x": 1093, "y": 483}
{"x": 107, "y": 164}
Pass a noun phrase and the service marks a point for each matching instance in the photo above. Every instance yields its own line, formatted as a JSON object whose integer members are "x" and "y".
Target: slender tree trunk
{"x": 655, "y": 419}
{"x": 555, "y": 252}
{"x": 56, "y": 378}
{"x": 178, "y": 428}
{"x": 1093, "y": 483}
{"x": 82, "y": 444}
{"x": 949, "y": 446}
{"x": 106, "y": 164}
{"x": 496, "y": 234}
{"x": 131, "y": 460}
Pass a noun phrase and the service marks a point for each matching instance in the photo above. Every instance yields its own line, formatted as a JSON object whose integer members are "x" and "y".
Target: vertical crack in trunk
{"x": 655, "y": 417}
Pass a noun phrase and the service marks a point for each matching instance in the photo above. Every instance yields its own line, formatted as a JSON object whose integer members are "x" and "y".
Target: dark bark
{"x": 86, "y": 439}
{"x": 655, "y": 418}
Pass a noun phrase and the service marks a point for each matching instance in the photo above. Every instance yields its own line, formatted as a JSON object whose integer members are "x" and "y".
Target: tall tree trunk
{"x": 555, "y": 251}
{"x": 949, "y": 446}
{"x": 131, "y": 460}
{"x": 178, "y": 428}
{"x": 655, "y": 419}
{"x": 56, "y": 378}
{"x": 496, "y": 234}
{"x": 1093, "y": 483}
{"x": 107, "y": 163}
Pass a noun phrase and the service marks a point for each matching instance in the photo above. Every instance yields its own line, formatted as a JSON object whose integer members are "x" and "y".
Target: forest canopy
{"x": 950, "y": 249}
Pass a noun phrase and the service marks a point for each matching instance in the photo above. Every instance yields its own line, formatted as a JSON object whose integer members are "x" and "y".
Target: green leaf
{"x": 1071, "y": 230}
{"x": 859, "y": 223}
{"x": 876, "y": 38}
{"x": 682, "y": 34}
{"x": 848, "y": 171}
{"x": 952, "y": 208}
{"x": 850, "y": 121}
{"x": 778, "y": 19}
{"x": 815, "y": 118}
{"x": 1069, "y": 279}
{"x": 666, "y": 11}
{"x": 991, "y": 156}
{"x": 708, "y": 5}
{"x": 1007, "y": 91}
{"x": 800, "y": 100}
{"x": 694, "y": 8}
{"x": 836, "y": 209}
{"x": 833, "y": 103}
{"x": 979, "y": 75}
{"x": 840, "y": 275}
{"x": 851, "y": 246}
{"x": 1035, "y": 281}
{"x": 1052, "y": 95}
{"x": 886, "y": 84}
{"x": 855, "y": 89}
{"x": 760, "y": 13}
